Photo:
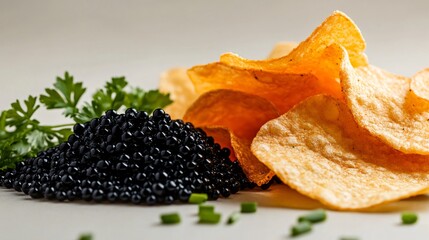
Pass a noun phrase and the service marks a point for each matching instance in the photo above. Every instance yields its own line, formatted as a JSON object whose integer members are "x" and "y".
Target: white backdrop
{"x": 97, "y": 39}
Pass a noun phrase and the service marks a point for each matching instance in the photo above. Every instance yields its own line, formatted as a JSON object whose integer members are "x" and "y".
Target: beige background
{"x": 95, "y": 40}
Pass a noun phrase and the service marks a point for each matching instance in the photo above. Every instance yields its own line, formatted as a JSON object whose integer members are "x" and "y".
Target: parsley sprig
{"x": 65, "y": 95}
{"x": 22, "y": 136}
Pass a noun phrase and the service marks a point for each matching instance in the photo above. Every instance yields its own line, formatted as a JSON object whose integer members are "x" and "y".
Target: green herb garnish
{"x": 170, "y": 218}
{"x": 300, "y": 228}
{"x": 349, "y": 238}
{"x": 409, "y": 217}
{"x": 113, "y": 96}
{"x": 205, "y": 208}
{"x": 249, "y": 207}
{"x": 85, "y": 236}
{"x": 22, "y": 136}
{"x": 198, "y": 198}
{"x": 315, "y": 216}
{"x": 65, "y": 95}
{"x": 233, "y": 218}
{"x": 209, "y": 217}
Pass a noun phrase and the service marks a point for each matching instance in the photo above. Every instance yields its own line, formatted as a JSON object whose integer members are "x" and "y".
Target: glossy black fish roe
{"x": 130, "y": 157}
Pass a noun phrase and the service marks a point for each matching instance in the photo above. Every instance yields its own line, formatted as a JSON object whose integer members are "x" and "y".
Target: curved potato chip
{"x": 176, "y": 82}
{"x": 420, "y": 84}
{"x": 337, "y": 29}
{"x": 311, "y": 68}
{"x": 283, "y": 89}
{"x": 282, "y": 49}
{"x": 383, "y": 104}
{"x": 242, "y": 114}
{"x": 318, "y": 149}
{"x": 255, "y": 171}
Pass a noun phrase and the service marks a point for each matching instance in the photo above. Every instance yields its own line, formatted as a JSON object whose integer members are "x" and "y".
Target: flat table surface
{"x": 95, "y": 40}
{"x": 279, "y": 208}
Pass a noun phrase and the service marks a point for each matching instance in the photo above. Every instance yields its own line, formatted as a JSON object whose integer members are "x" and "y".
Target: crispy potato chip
{"x": 282, "y": 49}
{"x": 311, "y": 68}
{"x": 255, "y": 171}
{"x": 420, "y": 84}
{"x": 283, "y": 89}
{"x": 318, "y": 149}
{"x": 383, "y": 104}
{"x": 182, "y": 92}
{"x": 336, "y": 29}
{"x": 242, "y": 114}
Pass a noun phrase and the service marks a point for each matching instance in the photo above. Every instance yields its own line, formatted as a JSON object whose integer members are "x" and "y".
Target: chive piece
{"x": 170, "y": 218}
{"x": 315, "y": 216}
{"x": 198, "y": 198}
{"x": 248, "y": 207}
{"x": 205, "y": 208}
{"x": 300, "y": 228}
{"x": 86, "y": 236}
{"x": 349, "y": 238}
{"x": 208, "y": 217}
{"x": 233, "y": 218}
{"x": 409, "y": 217}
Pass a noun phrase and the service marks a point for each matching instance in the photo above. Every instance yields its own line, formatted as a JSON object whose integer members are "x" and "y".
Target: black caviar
{"x": 131, "y": 157}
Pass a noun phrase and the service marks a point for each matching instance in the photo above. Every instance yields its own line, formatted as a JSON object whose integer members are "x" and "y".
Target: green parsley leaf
{"x": 65, "y": 95}
{"x": 111, "y": 97}
{"x": 18, "y": 116}
{"x": 22, "y": 136}
{"x": 115, "y": 96}
{"x": 146, "y": 101}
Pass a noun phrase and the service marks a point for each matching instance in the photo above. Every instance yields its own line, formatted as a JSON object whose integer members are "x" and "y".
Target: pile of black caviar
{"x": 131, "y": 157}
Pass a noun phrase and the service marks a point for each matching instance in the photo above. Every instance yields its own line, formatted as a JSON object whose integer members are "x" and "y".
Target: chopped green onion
{"x": 315, "y": 216}
{"x": 248, "y": 207}
{"x": 86, "y": 236}
{"x": 300, "y": 228}
{"x": 208, "y": 217}
{"x": 205, "y": 208}
{"x": 198, "y": 198}
{"x": 233, "y": 218}
{"x": 170, "y": 218}
{"x": 349, "y": 238}
{"x": 409, "y": 218}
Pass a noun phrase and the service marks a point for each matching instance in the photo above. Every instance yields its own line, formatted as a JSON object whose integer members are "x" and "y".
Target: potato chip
{"x": 255, "y": 171}
{"x": 336, "y": 29}
{"x": 420, "y": 84}
{"x": 382, "y": 103}
{"x": 282, "y": 49}
{"x": 182, "y": 92}
{"x": 242, "y": 114}
{"x": 318, "y": 149}
{"x": 311, "y": 68}
{"x": 283, "y": 89}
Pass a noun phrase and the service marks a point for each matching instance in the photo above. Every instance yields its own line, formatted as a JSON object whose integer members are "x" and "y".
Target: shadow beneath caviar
{"x": 282, "y": 196}
{"x": 23, "y": 197}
